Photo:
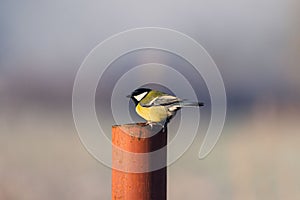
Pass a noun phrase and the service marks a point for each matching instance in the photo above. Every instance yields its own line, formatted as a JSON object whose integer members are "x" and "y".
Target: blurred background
{"x": 255, "y": 44}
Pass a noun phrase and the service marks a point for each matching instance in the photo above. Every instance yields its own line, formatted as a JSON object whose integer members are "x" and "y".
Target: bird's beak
{"x": 128, "y": 96}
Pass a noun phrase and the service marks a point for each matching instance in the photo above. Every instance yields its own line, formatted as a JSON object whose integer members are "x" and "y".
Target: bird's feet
{"x": 151, "y": 124}
{"x": 148, "y": 123}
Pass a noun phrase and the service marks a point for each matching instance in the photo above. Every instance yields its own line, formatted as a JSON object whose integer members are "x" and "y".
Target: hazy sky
{"x": 44, "y": 42}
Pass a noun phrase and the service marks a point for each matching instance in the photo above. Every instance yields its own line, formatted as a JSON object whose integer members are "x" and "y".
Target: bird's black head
{"x": 138, "y": 94}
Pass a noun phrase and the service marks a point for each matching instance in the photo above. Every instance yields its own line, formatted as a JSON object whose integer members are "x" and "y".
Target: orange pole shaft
{"x": 144, "y": 185}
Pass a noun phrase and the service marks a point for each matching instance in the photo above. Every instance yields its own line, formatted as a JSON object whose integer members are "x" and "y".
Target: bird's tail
{"x": 191, "y": 104}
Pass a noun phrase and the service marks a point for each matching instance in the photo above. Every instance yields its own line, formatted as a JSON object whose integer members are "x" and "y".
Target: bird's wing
{"x": 162, "y": 101}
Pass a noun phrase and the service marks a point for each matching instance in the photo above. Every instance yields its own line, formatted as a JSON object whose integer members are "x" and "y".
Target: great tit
{"x": 157, "y": 107}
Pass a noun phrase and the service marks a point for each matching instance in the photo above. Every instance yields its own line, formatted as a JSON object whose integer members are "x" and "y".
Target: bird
{"x": 157, "y": 107}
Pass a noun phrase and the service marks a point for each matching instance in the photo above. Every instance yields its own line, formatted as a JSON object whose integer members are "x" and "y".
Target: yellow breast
{"x": 152, "y": 114}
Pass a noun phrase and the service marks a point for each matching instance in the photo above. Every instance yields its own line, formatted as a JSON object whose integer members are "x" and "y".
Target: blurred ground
{"x": 257, "y": 157}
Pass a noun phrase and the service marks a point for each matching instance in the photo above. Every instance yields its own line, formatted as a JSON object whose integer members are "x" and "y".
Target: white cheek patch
{"x": 140, "y": 96}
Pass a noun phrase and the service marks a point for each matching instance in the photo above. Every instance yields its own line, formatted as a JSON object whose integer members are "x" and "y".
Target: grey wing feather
{"x": 163, "y": 101}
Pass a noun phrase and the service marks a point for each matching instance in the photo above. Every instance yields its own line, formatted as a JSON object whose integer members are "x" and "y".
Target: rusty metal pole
{"x": 138, "y": 138}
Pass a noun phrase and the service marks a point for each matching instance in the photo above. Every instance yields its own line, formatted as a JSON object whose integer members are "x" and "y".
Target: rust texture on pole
{"x": 138, "y": 139}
